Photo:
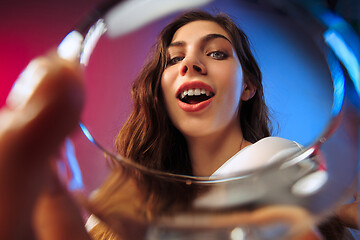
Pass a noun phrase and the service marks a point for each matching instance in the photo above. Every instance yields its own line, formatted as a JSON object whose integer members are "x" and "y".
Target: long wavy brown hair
{"x": 149, "y": 138}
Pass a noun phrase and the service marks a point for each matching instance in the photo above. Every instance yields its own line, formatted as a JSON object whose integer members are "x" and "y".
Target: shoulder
{"x": 277, "y": 140}
{"x": 271, "y": 149}
{"x": 259, "y": 154}
{"x": 275, "y": 144}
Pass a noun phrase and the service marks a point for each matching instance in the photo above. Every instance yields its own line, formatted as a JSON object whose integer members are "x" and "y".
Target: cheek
{"x": 239, "y": 84}
{"x": 166, "y": 87}
{"x": 233, "y": 83}
{"x": 166, "y": 81}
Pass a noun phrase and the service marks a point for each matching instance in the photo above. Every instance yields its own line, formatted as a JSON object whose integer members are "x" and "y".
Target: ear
{"x": 248, "y": 91}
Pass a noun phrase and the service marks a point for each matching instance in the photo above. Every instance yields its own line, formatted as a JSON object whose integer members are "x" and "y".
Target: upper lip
{"x": 193, "y": 85}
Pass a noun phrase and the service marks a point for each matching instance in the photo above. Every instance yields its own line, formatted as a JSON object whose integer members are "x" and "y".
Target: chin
{"x": 196, "y": 131}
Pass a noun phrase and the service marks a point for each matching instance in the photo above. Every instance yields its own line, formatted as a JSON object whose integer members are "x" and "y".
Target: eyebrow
{"x": 204, "y": 39}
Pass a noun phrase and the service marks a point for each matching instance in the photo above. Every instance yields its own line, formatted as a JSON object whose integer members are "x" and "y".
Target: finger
{"x": 42, "y": 108}
{"x": 47, "y": 98}
{"x": 56, "y": 214}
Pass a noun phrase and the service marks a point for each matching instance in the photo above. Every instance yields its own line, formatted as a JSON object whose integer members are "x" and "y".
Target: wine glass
{"x": 308, "y": 102}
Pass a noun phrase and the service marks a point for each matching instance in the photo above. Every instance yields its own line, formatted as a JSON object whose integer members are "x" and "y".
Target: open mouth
{"x": 194, "y": 96}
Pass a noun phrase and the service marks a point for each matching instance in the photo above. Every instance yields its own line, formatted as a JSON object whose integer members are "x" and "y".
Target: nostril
{"x": 197, "y": 68}
{"x": 184, "y": 69}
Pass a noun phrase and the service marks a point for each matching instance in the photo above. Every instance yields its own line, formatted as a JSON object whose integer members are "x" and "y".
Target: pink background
{"x": 31, "y": 28}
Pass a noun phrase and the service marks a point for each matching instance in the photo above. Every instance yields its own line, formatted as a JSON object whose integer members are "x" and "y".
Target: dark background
{"x": 31, "y": 28}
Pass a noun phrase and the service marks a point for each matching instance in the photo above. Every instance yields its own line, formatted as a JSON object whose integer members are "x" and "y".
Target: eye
{"x": 174, "y": 60}
{"x": 218, "y": 55}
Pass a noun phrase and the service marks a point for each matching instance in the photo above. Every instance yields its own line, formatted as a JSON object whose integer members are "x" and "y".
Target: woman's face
{"x": 203, "y": 81}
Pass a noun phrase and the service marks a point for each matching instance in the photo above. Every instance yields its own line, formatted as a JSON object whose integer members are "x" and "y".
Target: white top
{"x": 261, "y": 153}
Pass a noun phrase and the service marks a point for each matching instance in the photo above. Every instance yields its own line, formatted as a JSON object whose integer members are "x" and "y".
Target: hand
{"x": 41, "y": 110}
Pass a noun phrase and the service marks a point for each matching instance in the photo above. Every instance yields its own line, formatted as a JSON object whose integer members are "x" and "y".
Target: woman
{"x": 45, "y": 211}
{"x": 198, "y": 102}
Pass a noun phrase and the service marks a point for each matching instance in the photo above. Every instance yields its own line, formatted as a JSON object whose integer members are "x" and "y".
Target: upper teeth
{"x": 194, "y": 92}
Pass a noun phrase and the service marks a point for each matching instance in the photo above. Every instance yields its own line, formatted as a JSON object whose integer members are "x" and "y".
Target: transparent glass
{"x": 304, "y": 86}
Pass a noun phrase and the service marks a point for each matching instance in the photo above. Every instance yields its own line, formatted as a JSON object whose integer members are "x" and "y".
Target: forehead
{"x": 197, "y": 29}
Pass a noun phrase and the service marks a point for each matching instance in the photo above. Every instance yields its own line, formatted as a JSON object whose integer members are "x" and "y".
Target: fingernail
{"x": 70, "y": 47}
{"x": 25, "y": 85}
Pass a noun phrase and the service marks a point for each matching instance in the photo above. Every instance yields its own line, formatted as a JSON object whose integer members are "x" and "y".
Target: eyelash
{"x": 222, "y": 57}
{"x": 177, "y": 59}
{"x": 173, "y": 60}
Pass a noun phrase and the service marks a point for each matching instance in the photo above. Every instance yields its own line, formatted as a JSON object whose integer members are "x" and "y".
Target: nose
{"x": 192, "y": 65}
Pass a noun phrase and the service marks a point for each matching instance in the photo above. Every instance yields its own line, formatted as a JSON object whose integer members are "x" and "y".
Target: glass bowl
{"x": 304, "y": 85}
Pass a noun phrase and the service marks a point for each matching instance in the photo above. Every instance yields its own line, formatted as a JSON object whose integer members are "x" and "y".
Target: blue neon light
{"x": 338, "y": 77}
{"x": 332, "y": 20}
{"x": 345, "y": 54}
{"x": 76, "y": 181}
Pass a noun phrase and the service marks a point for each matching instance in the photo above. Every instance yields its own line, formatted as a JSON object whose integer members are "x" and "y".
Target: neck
{"x": 208, "y": 153}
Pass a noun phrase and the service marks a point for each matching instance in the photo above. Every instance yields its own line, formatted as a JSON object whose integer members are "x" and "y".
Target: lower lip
{"x": 194, "y": 107}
